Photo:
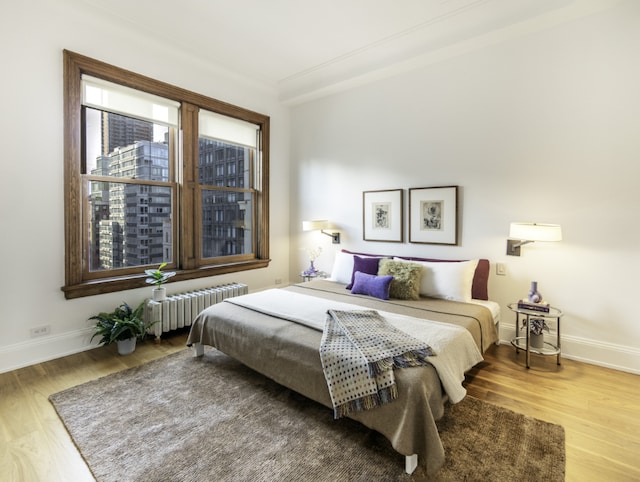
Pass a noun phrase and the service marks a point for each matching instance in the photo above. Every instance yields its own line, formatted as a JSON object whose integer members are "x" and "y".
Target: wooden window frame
{"x": 189, "y": 264}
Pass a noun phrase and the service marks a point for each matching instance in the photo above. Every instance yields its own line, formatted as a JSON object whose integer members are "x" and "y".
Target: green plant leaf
{"x": 121, "y": 324}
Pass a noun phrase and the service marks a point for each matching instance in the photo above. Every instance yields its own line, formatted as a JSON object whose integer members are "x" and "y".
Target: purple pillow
{"x": 364, "y": 265}
{"x": 371, "y": 285}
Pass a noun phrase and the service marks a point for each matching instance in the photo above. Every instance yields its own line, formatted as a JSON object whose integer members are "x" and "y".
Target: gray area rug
{"x": 181, "y": 418}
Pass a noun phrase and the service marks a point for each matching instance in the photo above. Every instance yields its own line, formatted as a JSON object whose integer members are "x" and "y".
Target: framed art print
{"x": 382, "y": 215}
{"x": 433, "y": 215}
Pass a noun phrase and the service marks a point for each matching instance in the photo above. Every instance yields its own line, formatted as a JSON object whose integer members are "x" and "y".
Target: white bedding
{"x": 492, "y": 306}
{"x": 456, "y": 352}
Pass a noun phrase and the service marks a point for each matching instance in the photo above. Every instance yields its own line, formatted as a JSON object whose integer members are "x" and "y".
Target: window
{"x": 155, "y": 173}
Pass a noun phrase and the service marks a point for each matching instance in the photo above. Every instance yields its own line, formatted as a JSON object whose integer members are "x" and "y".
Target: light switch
{"x": 501, "y": 269}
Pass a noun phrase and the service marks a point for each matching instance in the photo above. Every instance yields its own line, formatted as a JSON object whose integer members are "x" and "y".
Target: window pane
{"x": 226, "y": 223}
{"x": 125, "y": 147}
{"x": 223, "y": 164}
{"x": 129, "y": 225}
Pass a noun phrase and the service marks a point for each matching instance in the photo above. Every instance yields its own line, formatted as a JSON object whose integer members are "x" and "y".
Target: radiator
{"x": 179, "y": 310}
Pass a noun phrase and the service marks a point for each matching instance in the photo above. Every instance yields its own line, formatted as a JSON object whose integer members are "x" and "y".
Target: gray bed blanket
{"x": 288, "y": 353}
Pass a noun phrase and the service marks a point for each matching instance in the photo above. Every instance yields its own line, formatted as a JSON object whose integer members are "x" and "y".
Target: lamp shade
{"x": 317, "y": 225}
{"x": 535, "y": 232}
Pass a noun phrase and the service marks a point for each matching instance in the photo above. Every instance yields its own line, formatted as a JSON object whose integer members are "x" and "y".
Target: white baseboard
{"x": 609, "y": 355}
{"x": 43, "y": 349}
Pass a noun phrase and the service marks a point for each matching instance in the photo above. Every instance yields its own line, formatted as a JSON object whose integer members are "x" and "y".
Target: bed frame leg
{"x": 198, "y": 349}
{"x": 410, "y": 463}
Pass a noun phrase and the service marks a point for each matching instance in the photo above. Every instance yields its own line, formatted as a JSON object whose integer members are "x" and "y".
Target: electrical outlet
{"x": 40, "y": 331}
{"x": 278, "y": 281}
{"x": 501, "y": 269}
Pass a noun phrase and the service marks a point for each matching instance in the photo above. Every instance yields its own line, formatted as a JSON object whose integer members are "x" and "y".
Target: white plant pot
{"x": 159, "y": 294}
{"x": 126, "y": 347}
{"x": 536, "y": 341}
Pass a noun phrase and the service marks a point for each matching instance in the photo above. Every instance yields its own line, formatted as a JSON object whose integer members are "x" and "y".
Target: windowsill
{"x": 112, "y": 285}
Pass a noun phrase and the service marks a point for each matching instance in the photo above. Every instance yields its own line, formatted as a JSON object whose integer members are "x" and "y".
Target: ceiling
{"x": 303, "y": 49}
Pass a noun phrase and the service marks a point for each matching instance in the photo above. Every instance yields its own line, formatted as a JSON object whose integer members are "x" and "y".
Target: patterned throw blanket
{"x": 359, "y": 351}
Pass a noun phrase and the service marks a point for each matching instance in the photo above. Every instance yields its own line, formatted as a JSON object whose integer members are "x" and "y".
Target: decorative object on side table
{"x": 536, "y": 328}
{"x": 157, "y": 278}
{"x": 312, "y": 271}
{"x": 534, "y": 300}
{"x": 534, "y": 295}
{"x": 536, "y": 325}
{"x": 123, "y": 325}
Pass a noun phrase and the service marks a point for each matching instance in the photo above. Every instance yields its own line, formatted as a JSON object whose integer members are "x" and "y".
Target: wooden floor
{"x": 599, "y": 409}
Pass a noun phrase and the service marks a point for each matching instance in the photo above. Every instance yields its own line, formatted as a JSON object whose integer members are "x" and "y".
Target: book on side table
{"x": 542, "y": 307}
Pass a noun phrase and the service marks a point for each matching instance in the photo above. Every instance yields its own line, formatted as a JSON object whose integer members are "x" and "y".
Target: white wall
{"x": 33, "y": 34}
{"x": 542, "y": 128}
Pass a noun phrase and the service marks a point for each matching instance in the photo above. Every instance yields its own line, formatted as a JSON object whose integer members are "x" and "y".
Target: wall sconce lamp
{"x": 320, "y": 226}
{"x": 525, "y": 233}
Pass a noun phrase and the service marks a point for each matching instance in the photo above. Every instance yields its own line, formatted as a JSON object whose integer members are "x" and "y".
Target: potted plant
{"x": 156, "y": 277}
{"x": 536, "y": 328}
{"x": 123, "y": 325}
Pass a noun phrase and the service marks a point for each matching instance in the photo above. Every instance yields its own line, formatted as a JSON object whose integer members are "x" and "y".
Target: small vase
{"x": 534, "y": 295}
{"x": 311, "y": 270}
{"x": 126, "y": 347}
{"x": 536, "y": 341}
{"x": 159, "y": 294}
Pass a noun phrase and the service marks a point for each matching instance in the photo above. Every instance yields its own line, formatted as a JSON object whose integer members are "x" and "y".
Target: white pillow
{"x": 447, "y": 280}
{"x": 342, "y": 268}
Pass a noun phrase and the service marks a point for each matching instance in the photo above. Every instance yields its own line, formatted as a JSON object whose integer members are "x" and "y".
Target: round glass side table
{"x": 524, "y": 342}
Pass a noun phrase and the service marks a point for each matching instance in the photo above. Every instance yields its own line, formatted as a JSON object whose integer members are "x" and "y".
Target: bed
{"x": 273, "y": 333}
